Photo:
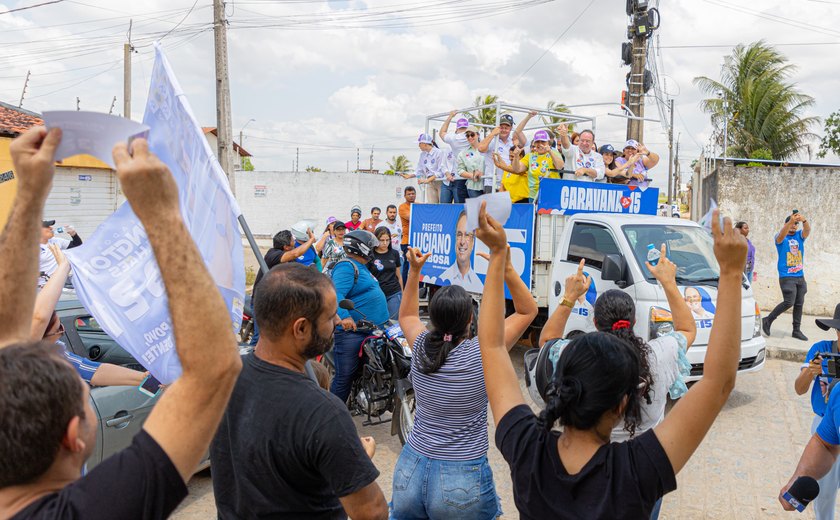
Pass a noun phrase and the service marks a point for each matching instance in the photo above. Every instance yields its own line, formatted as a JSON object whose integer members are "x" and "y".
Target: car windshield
{"x": 690, "y": 248}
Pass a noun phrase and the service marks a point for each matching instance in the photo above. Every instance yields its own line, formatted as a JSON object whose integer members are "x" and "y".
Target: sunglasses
{"x": 470, "y": 134}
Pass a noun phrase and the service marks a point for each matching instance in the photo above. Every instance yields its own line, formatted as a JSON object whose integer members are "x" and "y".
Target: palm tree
{"x": 763, "y": 108}
{"x": 486, "y": 116}
{"x": 399, "y": 164}
{"x": 553, "y": 121}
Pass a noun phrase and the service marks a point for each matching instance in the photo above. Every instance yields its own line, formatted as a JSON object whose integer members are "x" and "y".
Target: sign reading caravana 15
{"x": 569, "y": 197}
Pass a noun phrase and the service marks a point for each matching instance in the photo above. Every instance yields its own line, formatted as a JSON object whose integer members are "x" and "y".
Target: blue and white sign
{"x": 441, "y": 229}
{"x": 561, "y": 197}
{"x": 85, "y": 177}
{"x": 116, "y": 276}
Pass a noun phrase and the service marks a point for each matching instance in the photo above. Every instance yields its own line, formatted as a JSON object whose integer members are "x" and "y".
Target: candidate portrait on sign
{"x": 461, "y": 272}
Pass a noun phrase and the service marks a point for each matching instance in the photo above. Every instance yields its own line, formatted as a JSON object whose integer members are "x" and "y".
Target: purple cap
{"x": 541, "y": 135}
{"x": 424, "y": 139}
{"x": 631, "y": 143}
{"x": 330, "y": 220}
{"x": 462, "y": 123}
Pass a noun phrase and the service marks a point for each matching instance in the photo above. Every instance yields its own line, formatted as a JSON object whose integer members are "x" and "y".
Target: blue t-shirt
{"x": 368, "y": 298}
{"x": 791, "y": 252}
{"x": 820, "y": 382}
{"x": 827, "y": 430}
{"x": 307, "y": 258}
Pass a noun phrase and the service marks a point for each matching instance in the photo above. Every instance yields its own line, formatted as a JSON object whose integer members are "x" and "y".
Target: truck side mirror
{"x": 614, "y": 269}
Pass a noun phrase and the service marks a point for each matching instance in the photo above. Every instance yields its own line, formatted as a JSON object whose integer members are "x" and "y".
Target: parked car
{"x": 121, "y": 410}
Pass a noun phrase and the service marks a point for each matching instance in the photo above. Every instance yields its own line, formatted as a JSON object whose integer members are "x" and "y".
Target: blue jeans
{"x": 654, "y": 514}
{"x": 474, "y": 193}
{"x": 394, "y": 302}
{"x": 430, "y": 488}
{"x": 256, "y": 335}
{"x": 447, "y": 193}
{"x": 347, "y": 361}
{"x": 460, "y": 191}
{"x": 405, "y": 266}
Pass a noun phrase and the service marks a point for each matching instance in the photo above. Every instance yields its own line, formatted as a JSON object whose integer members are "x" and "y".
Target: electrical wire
{"x": 31, "y": 6}
{"x": 179, "y": 23}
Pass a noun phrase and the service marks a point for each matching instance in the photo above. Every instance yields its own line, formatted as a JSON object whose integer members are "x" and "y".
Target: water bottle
{"x": 653, "y": 254}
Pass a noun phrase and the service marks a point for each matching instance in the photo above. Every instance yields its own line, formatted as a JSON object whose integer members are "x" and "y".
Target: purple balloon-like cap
{"x": 462, "y": 123}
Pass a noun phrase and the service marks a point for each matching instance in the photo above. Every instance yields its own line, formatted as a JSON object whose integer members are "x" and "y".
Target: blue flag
{"x": 115, "y": 272}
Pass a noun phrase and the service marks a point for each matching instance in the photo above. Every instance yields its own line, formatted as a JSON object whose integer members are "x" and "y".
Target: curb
{"x": 786, "y": 354}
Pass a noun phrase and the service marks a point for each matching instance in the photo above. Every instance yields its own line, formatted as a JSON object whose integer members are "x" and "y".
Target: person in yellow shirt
{"x": 542, "y": 162}
{"x": 514, "y": 183}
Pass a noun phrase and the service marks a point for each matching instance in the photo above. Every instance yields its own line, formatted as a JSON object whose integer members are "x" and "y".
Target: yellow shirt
{"x": 538, "y": 166}
{"x": 516, "y": 185}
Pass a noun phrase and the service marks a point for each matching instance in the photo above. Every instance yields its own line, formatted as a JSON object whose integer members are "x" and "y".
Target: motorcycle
{"x": 381, "y": 384}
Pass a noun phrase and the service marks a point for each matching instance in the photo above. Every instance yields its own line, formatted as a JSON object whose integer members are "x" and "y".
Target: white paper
{"x": 92, "y": 133}
{"x": 498, "y": 207}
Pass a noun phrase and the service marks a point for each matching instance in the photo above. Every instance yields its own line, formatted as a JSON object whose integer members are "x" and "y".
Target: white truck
{"x": 614, "y": 248}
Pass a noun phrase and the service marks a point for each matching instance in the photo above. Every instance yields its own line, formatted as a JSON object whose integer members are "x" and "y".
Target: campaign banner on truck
{"x": 562, "y": 197}
{"x": 441, "y": 229}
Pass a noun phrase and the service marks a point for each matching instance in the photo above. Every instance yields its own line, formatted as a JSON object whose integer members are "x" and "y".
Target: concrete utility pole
{"x": 113, "y": 104}
{"x": 677, "y": 180}
{"x": 635, "y": 91}
{"x": 23, "y": 92}
{"x": 127, "y": 48}
{"x": 297, "y": 159}
{"x": 224, "y": 126}
{"x": 671, "y": 152}
{"x": 357, "y": 160}
{"x": 371, "y": 160}
{"x": 78, "y": 104}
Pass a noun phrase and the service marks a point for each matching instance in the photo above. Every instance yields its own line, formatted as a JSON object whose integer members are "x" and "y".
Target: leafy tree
{"x": 831, "y": 140}
{"x": 247, "y": 165}
{"x": 313, "y": 169}
{"x": 764, "y": 109}
{"x": 399, "y": 163}
{"x": 485, "y": 116}
{"x": 553, "y": 121}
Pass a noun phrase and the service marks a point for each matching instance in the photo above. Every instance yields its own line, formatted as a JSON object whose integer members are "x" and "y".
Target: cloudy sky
{"x": 328, "y": 77}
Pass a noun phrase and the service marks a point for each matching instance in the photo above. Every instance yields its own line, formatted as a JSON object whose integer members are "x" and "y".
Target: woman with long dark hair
{"x": 443, "y": 470}
{"x": 385, "y": 267}
{"x": 595, "y": 384}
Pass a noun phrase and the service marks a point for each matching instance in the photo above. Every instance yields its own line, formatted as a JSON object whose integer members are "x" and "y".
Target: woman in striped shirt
{"x": 443, "y": 471}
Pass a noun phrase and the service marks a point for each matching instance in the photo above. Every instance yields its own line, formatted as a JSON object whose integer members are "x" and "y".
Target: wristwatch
{"x": 568, "y": 303}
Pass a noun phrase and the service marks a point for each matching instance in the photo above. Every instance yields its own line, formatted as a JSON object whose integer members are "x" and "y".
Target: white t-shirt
{"x": 576, "y": 159}
{"x": 469, "y": 281}
{"x": 458, "y": 142}
{"x": 396, "y": 232}
{"x": 47, "y": 263}
{"x": 664, "y": 365}
{"x": 503, "y": 149}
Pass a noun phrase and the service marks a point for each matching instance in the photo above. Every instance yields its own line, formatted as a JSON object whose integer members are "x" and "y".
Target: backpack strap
{"x": 355, "y": 269}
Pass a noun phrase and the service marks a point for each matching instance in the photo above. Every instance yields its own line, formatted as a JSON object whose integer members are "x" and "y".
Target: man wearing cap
{"x": 48, "y": 264}
{"x": 812, "y": 374}
{"x": 505, "y": 141}
{"x": 581, "y": 158}
{"x": 430, "y": 171}
{"x": 355, "y": 221}
{"x": 458, "y": 143}
{"x": 642, "y": 159}
{"x": 790, "y": 246}
{"x": 542, "y": 162}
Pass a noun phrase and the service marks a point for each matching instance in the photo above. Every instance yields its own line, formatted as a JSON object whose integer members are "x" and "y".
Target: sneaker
{"x": 765, "y": 326}
{"x": 798, "y": 335}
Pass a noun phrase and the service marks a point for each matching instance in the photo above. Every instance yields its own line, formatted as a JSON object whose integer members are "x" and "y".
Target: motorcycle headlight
{"x": 661, "y": 322}
{"x": 405, "y": 346}
{"x": 757, "y": 324}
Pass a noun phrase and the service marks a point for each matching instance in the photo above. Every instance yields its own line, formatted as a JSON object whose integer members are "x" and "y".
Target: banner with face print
{"x": 441, "y": 229}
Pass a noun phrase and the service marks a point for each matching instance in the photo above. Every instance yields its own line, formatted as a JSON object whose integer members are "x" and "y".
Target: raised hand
{"x": 577, "y": 283}
{"x": 497, "y": 160}
{"x": 495, "y": 132}
{"x": 730, "y": 245}
{"x": 146, "y": 181}
{"x": 33, "y": 155}
{"x": 665, "y": 271}
{"x": 490, "y": 231}
{"x": 452, "y": 113}
{"x": 416, "y": 259}
{"x": 56, "y": 251}
{"x": 562, "y": 130}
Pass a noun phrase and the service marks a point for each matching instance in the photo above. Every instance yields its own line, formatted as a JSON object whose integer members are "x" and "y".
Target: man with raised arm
{"x": 48, "y": 427}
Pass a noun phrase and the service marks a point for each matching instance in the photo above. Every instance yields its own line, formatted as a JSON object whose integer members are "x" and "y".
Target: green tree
{"x": 763, "y": 108}
{"x": 831, "y": 140}
{"x": 247, "y": 165}
{"x": 313, "y": 169}
{"x": 485, "y": 116}
{"x": 399, "y": 163}
{"x": 553, "y": 121}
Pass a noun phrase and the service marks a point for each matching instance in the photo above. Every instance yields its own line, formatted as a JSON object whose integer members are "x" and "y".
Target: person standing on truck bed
{"x": 542, "y": 162}
{"x": 507, "y": 140}
{"x": 457, "y": 141}
{"x": 790, "y": 245}
{"x": 643, "y": 159}
{"x": 586, "y": 162}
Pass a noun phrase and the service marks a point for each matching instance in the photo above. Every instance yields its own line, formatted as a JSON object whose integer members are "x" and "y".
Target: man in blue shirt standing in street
{"x": 790, "y": 245}
{"x": 353, "y": 281}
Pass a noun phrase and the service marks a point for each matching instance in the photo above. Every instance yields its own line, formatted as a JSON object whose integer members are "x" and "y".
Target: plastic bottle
{"x": 653, "y": 254}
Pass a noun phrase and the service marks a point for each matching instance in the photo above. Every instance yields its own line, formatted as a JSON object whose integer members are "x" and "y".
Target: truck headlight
{"x": 757, "y": 324}
{"x": 661, "y": 322}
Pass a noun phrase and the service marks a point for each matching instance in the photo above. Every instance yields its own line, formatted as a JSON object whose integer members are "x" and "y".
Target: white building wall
{"x": 272, "y": 201}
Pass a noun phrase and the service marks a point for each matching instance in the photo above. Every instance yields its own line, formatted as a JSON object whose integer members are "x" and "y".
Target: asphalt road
{"x": 736, "y": 473}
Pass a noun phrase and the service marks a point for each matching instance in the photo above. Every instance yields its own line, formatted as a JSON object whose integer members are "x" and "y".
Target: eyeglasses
{"x": 461, "y": 235}
{"x": 470, "y": 134}
{"x": 59, "y": 332}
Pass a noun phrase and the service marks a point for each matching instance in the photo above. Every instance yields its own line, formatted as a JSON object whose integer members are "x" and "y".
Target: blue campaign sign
{"x": 561, "y": 197}
{"x": 440, "y": 229}
{"x": 85, "y": 177}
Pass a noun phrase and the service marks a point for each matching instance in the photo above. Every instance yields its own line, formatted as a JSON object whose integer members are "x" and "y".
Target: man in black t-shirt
{"x": 285, "y": 448}
{"x": 47, "y": 425}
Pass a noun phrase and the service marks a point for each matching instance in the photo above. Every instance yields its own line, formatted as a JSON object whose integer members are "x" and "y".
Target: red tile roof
{"x": 14, "y": 121}
{"x": 212, "y": 130}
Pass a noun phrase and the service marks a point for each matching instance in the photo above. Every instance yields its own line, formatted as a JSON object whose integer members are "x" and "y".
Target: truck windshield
{"x": 691, "y": 248}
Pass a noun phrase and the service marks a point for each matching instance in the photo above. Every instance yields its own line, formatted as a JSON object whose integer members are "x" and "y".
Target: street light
{"x": 241, "y": 137}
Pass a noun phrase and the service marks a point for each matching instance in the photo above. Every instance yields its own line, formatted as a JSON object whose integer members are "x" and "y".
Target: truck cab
{"x": 614, "y": 249}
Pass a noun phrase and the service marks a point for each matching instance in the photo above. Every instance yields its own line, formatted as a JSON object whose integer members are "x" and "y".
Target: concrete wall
{"x": 764, "y": 197}
{"x": 272, "y": 201}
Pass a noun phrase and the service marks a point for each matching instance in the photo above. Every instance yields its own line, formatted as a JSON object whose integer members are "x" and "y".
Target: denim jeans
{"x": 460, "y": 190}
{"x": 474, "y": 193}
{"x": 793, "y": 292}
{"x": 654, "y": 514}
{"x": 447, "y": 193}
{"x": 405, "y": 266}
{"x": 394, "y": 302}
{"x": 255, "y": 337}
{"x": 430, "y": 488}
{"x": 347, "y": 361}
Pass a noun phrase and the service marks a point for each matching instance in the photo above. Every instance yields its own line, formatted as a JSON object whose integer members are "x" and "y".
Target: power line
{"x": 31, "y": 6}
{"x": 721, "y": 46}
{"x": 179, "y": 23}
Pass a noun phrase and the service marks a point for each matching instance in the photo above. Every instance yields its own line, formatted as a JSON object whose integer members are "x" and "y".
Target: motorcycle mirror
{"x": 347, "y": 305}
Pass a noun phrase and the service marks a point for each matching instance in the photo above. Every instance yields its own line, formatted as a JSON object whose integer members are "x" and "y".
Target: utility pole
{"x": 635, "y": 90}
{"x": 297, "y": 159}
{"x": 348, "y": 165}
{"x": 371, "y": 160}
{"x": 357, "y": 160}
{"x": 224, "y": 125}
{"x": 127, "y": 48}
{"x": 23, "y": 92}
{"x": 77, "y": 104}
{"x": 113, "y": 104}
{"x": 677, "y": 179}
{"x": 671, "y": 152}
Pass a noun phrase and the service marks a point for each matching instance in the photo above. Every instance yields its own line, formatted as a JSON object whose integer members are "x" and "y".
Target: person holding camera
{"x": 595, "y": 384}
{"x": 815, "y": 373}
{"x": 790, "y": 245}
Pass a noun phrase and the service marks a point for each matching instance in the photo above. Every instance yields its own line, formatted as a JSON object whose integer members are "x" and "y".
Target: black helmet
{"x": 360, "y": 242}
